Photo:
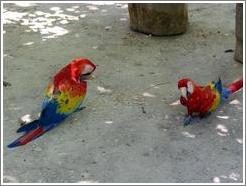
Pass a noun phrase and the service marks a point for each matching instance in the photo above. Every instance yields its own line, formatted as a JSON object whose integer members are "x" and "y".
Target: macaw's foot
{"x": 80, "y": 108}
{"x": 188, "y": 120}
{"x": 205, "y": 115}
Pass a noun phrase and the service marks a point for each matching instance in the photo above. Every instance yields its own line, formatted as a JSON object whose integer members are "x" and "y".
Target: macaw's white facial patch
{"x": 190, "y": 87}
{"x": 88, "y": 69}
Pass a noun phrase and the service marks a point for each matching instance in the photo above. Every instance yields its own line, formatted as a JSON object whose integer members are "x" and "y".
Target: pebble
{"x": 107, "y": 27}
{"x": 25, "y": 119}
{"x": 38, "y": 149}
{"x": 6, "y": 84}
{"x": 216, "y": 180}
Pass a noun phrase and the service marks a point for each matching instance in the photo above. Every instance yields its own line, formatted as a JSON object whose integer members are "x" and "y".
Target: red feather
{"x": 235, "y": 86}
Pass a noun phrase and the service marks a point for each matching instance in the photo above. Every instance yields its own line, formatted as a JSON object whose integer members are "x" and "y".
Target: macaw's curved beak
{"x": 183, "y": 92}
{"x": 91, "y": 77}
{"x": 84, "y": 77}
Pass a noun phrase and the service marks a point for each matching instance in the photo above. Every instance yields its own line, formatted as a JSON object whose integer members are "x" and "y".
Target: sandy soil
{"x": 131, "y": 132}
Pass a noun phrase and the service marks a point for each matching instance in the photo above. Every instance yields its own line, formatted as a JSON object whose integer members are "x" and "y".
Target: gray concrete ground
{"x": 130, "y": 130}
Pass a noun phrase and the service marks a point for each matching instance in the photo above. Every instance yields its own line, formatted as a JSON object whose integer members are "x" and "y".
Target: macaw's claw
{"x": 191, "y": 120}
{"x": 80, "y": 108}
{"x": 187, "y": 120}
{"x": 205, "y": 115}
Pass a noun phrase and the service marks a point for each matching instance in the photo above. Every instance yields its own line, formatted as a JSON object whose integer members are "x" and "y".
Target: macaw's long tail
{"x": 27, "y": 137}
{"x": 231, "y": 88}
{"x": 235, "y": 86}
{"x": 32, "y": 131}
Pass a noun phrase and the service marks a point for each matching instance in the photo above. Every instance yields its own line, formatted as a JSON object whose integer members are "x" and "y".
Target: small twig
{"x": 229, "y": 50}
{"x": 143, "y": 110}
{"x": 6, "y": 84}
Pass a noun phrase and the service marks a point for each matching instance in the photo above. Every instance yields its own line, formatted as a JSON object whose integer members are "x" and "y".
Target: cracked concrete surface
{"x": 131, "y": 129}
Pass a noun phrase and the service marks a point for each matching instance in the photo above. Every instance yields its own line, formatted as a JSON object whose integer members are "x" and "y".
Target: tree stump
{"x": 239, "y": 33}
{"x": 158, "y": 19}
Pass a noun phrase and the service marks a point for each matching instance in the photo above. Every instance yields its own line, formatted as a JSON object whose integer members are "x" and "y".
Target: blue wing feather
{"x": 49, "y": 114}
{"x": 218, "y": 86}
{"x": 28, "y": 127}
{"x": 224, "y": 92}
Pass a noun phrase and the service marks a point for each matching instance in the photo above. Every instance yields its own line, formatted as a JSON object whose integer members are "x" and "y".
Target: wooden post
{"x": 158, "y": 19}
{"x": 239, "y": 33}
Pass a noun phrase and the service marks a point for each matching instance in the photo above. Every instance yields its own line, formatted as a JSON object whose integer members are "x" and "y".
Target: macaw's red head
{"x": 186, "y": 87}
{"x": 82, "y": 69}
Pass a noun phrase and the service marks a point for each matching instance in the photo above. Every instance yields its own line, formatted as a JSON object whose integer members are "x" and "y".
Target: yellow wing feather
{"x": 217, "y": 99}
{"x": 67, "y": 103}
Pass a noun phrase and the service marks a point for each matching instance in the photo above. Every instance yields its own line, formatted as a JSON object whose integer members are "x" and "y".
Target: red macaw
{"x": 64, "y": 96}
{"x": 202, "y": 100}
